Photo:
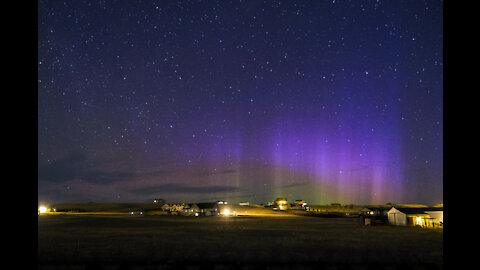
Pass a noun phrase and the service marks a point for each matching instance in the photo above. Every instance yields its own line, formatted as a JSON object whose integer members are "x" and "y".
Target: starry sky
{"x": 243, "y": 100}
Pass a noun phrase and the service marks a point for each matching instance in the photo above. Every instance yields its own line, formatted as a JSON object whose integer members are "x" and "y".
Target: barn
{"x": 190, "y": 209}
{"x": 208, "y": 209}
{"x": 428, "y": 217}
{"x": 375, "y": 211}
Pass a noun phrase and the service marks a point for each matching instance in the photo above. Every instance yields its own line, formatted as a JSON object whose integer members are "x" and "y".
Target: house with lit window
{"x": 374, "y": 211}
{"x": 427, "y": 217}
{"x": 280, "y": 204}
{"x": 374, "y": 215}
{"x": 299, "y": 205}
{"x": 190, "y": 209}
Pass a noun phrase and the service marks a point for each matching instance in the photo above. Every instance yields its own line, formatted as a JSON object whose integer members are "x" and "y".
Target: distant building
{"x": 373, "y": 215}
{"x": 300, "y": 202}
{"x": 208, "y": 209}
{"x": 280, "y": 203}
{"x": 299, "y": 205}
{"x": 375, "y": 211}
{"x": 190, "y": 209}
{"x": 428, "y": 217}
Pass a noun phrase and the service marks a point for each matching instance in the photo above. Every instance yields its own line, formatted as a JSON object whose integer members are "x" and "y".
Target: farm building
{"x": 204, "y": 209}
{"x": 428, "y": 217}
{"x": 280, "y": 203}
{"x": 316, "y": 209}
{"x": 208, "y": 209}
{"x": 325, "y": 209}
{"x": 373, "y": 215}
{"x": 190, "y": 209}
{"x": 374, "y": 211}
{"x": 299, "y": 204}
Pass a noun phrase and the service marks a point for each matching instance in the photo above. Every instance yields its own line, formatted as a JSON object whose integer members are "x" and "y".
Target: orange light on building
{"x": 419, "y": 220}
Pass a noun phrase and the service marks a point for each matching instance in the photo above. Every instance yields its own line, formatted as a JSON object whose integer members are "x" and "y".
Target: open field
{"x": 245, "y": 242}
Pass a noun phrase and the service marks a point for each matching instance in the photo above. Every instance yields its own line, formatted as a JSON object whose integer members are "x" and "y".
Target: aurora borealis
{"x": 326, "y": 101}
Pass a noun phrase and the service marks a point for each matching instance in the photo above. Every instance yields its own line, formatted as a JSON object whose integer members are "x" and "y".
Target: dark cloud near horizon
{"x": 176, "y": 188}
{"x": 209, "y": 173}
{"x": 76, "y": 165}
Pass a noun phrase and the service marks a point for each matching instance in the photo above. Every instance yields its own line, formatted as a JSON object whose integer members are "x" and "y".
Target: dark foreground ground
{"x": 177, "y": 242}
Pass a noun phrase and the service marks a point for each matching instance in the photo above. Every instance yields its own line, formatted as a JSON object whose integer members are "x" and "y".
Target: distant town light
{"x": 196, "y": 214}
{"x": 226, "y": 212}
{"x": 42, "y": 209}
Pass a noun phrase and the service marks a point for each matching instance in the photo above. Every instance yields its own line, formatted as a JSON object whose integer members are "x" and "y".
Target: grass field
{"x": 252, "y": 242}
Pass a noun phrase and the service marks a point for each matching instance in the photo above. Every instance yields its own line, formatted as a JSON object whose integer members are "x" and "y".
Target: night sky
{"x": 326, "y": 101}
